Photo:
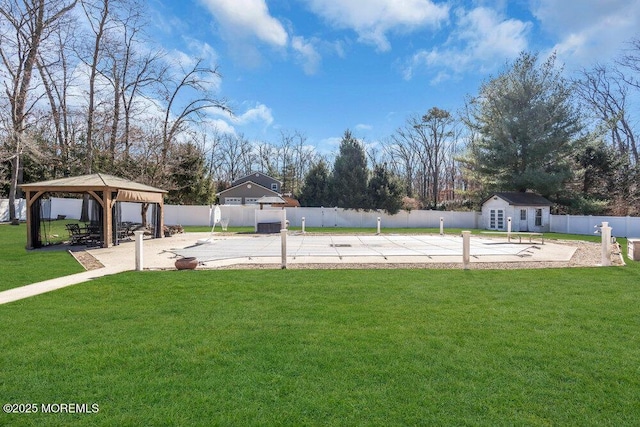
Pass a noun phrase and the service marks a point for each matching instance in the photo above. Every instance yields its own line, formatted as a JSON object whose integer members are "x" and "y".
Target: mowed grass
{"x": 330, "y": 347}
{"x": 20, "y": 267}
{"x": 324, "y": 347}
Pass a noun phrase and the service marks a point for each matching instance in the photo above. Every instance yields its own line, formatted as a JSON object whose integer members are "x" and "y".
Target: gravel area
{"x": 88, "y": 261}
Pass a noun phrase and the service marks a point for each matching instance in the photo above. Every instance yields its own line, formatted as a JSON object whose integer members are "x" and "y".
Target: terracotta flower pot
{"x": 188, "y": 263}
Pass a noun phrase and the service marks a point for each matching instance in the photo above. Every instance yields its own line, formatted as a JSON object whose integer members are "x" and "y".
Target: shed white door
{"x": 524, "y": 222}
{"x": 496, "y": 219}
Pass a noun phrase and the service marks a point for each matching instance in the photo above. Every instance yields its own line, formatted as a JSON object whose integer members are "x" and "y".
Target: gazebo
{"x": 106, "y": 190}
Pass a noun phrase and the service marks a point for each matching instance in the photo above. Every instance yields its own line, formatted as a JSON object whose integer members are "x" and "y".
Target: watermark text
{"x": 51, "y": 408}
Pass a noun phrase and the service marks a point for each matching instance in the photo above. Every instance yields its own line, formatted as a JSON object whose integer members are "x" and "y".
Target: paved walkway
{"x": 222, "y": 250}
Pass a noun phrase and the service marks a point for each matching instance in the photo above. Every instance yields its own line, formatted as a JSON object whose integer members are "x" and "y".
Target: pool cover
{"x": 345, "y": 246}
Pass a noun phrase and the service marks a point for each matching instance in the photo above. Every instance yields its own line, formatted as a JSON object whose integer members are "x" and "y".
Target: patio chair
{"x": 94, "y": 236}
{"x": 76, "y": 236}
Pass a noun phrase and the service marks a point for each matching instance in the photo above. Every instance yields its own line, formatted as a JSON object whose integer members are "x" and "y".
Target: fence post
{"x": 303, "y": 220}
{"x": 139, "y": 253}
{"x": 466, "y": 250}
{"x": 606, "y": 244}
{"x": 283, "y": 249}
{"x": 441, "y": 226}
{"x": 378, "y": 232}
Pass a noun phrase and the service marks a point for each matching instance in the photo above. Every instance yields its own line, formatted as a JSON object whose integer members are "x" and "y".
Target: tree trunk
{"x": 15, "y": 165}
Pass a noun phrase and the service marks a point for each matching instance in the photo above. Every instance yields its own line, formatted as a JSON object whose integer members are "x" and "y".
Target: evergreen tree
{"x": 348, "y": 183}
{"x": 193, "y": 186}
{"x": 528, "y": 128}
{"x": 315, "y": 191}
{"x": 385, "y": 190}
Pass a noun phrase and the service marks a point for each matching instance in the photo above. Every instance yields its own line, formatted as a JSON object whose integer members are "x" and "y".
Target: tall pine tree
{"x": 348, "y": 184}
{"x": 315, "y": 191}
{"x": 385, "y": 190}
{"x": 528, "y": 127}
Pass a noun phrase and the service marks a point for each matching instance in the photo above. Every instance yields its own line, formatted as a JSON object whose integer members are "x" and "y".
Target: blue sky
{"x": 323, "y": 66}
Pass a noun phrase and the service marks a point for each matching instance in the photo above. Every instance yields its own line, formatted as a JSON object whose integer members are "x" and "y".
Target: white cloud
{"x": 362, "y": 126}
{"x": 258, "y": 114}
{"x": 247, "y": 18}
{"x": 482, "y": 36}
{"x": 222, "y": 126}
{"x": 373, "y": 19}
{"x": 486, "y": 34}
{"x": 307, "y": 54}
{"x": 202, "y": 50}
{"x": 332, "y": 143}
{"x": 594, "y": 31}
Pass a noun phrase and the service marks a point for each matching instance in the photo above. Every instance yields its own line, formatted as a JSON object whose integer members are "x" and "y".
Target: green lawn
{"x": 341, "y": 347}
{"x": 328, "y": 347}
{"x": 21, "y": 267}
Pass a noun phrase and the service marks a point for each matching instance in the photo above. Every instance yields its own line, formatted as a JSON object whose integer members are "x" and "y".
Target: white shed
{"x": 528, "y": 212}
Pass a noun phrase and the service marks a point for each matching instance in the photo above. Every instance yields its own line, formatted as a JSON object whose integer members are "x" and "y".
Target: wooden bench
{"x": 518, "y": 234}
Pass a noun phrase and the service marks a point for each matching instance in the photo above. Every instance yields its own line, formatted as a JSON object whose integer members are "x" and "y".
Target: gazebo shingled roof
{"x": 105, "y": 189}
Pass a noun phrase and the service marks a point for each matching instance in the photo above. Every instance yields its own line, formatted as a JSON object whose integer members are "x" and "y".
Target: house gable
{"x": 247, "y": 192}
{"x": 261, "y": 179}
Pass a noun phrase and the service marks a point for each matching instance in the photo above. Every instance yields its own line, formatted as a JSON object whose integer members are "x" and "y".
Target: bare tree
{"x": 266, "y": 155}
{"x": 28, "y": 24}
{"x": 99, "y": 18}
{"x": 421, "y": 149}
{"x": 435, "y": 133}
{"x": 178, "y": 115}
{"x": 605, "y": 92}
{"x": 128, "y": 71}
{"x": 284, "y": 162}
{"x": 305, "y": 157}
{"x": 403, "y": 159}
{"x": 237, "y": 156}
{"x": 630, "y": 61}
{"x": 55, "y": 69}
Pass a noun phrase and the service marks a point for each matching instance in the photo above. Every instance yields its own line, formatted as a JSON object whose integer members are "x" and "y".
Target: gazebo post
{"x": 161, "y": 225}
{"x": 31, "y": 199}
{"x": 105, "y": 204}
{"x": 106, "y": 218}
{"x": 28, "y": 199}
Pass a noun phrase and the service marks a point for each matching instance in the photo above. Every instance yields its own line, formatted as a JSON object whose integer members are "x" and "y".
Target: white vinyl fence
{"x": 21, "y": 209}
{"x": 622, "y": 226}
{"x": 238, "y": 216}
{"x": 328, "y": 217}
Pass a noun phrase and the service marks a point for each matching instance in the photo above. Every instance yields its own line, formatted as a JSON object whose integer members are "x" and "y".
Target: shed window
{"x": 538, "y": 217}
{"x": 523, "y": 214}
{"x": 274, "y": 186}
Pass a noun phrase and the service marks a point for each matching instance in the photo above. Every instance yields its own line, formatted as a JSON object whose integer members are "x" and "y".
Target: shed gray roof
{"x": 516, "y": 198}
